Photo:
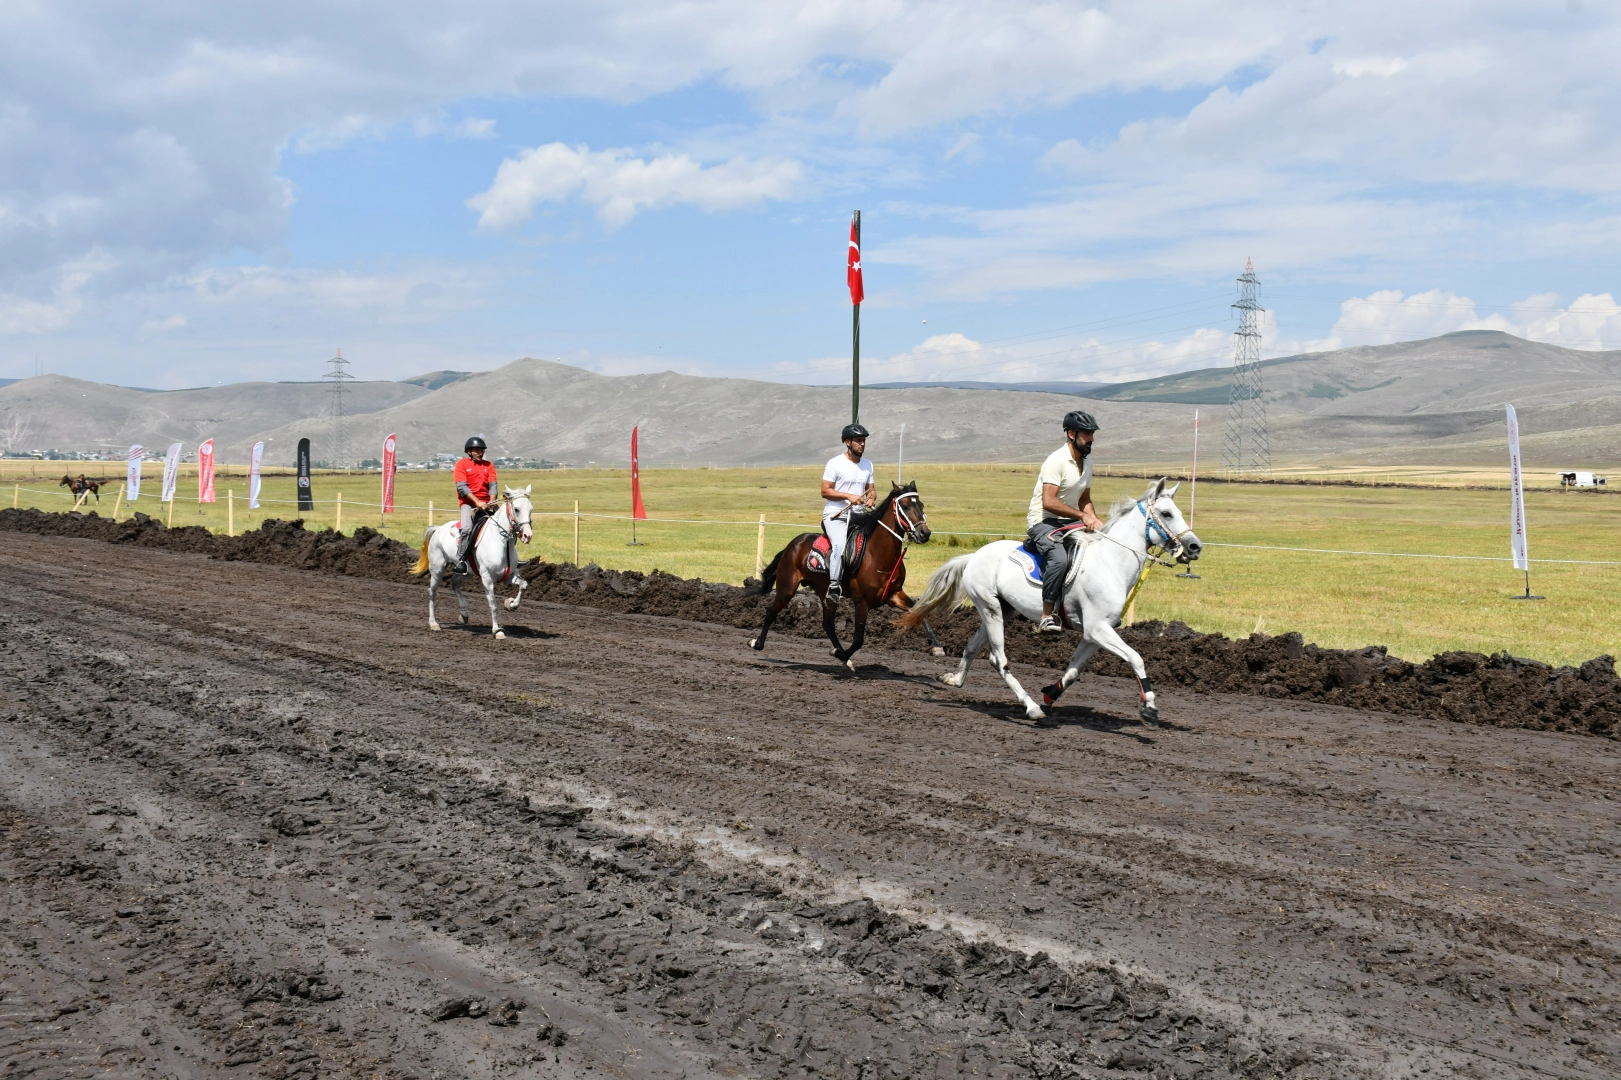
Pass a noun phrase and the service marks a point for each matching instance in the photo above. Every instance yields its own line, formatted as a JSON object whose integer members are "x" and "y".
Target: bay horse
{"x": 78, "y": 487}
{"x": 892, "y": 525}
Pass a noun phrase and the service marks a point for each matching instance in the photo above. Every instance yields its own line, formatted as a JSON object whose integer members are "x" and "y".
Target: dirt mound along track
{"x": 1474, "y": 688}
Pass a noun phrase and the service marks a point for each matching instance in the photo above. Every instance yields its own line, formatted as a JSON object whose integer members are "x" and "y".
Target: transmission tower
{"x": 1245, "y": 448}
{"x": 337, "y": 377}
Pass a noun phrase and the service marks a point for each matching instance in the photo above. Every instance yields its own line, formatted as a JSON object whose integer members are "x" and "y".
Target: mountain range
{"x": 1434, "y": 401}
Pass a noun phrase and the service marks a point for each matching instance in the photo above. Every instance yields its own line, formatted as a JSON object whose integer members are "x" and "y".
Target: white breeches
{"x": 838, "y": 532}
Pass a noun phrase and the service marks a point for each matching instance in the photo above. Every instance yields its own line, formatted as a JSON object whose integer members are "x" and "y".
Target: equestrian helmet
{"x": 475, "y": 443}
{"x": 1079, "y": 420}
{"x": 853, "y": 431}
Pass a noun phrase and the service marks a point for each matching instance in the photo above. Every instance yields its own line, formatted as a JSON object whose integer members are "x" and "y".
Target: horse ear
{"x": 1159, "y": 488}
{"x": 1171, "y": 494}
{"x": 527, "y": 488}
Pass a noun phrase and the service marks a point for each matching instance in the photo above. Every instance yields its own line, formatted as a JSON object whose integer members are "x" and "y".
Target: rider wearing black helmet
{"x": 475, "y": 491}
{"x": 1063, "y": 496}
{"x": 846, "y": 482}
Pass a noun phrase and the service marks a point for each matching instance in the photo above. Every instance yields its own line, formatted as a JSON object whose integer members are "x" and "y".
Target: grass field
{"x": 1416, "y": 607}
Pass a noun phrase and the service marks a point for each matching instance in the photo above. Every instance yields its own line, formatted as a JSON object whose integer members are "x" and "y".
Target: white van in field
{"x": 1580, "y": 480}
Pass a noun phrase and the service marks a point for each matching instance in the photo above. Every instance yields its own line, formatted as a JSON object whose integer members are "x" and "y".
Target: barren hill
{"x": 1438, "y": 401}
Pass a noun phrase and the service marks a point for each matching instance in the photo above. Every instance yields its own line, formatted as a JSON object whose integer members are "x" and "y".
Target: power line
{"x": 1246, "y": 448}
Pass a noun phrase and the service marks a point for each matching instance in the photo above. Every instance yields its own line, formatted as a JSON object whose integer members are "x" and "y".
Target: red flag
{"x": 388, "y": 475}
{"x": 637, "y": 510}
{"x": 852, "y": 267}
{"x": 205, "y": 472}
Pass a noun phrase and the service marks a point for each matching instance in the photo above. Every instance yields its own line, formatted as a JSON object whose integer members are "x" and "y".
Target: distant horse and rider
{"x": 80, "y": 485}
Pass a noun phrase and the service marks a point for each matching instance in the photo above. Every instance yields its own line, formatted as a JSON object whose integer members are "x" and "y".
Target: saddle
{"x": 861, "y": 527}
{"x": 481, "y": 521}
{"x": 1028, "y": 559}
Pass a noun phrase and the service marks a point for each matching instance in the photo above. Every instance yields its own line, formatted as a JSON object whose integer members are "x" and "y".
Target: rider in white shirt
{"x": 846, "y": 482}
{"x": 1062, "y": 497}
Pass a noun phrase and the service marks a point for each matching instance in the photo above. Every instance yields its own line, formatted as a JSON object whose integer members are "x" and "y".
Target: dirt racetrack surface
{"x": 1471, "y": 688}
{"x": 257, "y": 821}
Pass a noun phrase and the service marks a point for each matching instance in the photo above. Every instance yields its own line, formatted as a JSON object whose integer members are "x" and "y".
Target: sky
{"x": 193, "y": 194}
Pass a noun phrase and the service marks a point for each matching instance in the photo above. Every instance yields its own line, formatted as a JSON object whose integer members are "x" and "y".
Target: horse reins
{"x": 906, "y": 541}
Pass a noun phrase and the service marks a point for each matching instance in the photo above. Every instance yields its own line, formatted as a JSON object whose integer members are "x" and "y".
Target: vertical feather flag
{"x": 389, "y": 445}
{"x": 638, "y": 512}
{"x": 205, "y": 472}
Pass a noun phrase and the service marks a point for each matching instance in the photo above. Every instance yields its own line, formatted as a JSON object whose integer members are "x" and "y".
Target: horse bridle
{"x": 905, "y": 519}
{"x": 1172, "y": 544}
{"x": 495, "y": 519}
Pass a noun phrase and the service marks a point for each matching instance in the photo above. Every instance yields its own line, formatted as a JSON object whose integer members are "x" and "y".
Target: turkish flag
{"x": 637, "y": 510}
{"x": 852, "y": 267}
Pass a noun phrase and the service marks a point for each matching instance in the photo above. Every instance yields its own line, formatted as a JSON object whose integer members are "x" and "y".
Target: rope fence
{"x": 762, "y": 523}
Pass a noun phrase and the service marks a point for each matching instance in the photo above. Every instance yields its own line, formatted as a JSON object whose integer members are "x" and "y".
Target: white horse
{"x": 1102, "y": 575}
{"x": 492, "y": 556}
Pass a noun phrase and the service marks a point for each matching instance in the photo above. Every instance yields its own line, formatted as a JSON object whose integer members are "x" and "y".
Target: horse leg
{"x": 520, "y": 584}
{"x": 1106, "y": 636}
{"x": 976, "y": 645}
{"x": 787, "y": 585}
{"x": 456, "y": 587}
{"x": 830, "y": 614}
{"x": 860, "y": 636}
{"x": 993, "y": 631}
{"x": 904, "y": 602}
{"x": 433, "y": 593}
{"x": 1083, "y": 653}
{"x": 487, "y": 577}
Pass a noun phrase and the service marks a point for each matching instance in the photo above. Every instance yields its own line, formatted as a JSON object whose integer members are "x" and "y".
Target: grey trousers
{"x": 1054, "y": 560}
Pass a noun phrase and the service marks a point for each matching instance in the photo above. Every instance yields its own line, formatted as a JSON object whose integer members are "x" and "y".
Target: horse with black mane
{"x": 78, "y": 488}
{"x": 879, "y": 539}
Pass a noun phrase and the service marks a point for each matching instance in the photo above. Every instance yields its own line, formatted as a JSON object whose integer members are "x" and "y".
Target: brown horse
{"x": 896, "y": 522}
{"x": 78, "y": 487}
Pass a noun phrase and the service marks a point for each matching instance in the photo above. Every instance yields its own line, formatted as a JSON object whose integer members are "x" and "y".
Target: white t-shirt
{"x": 1072, "y": 479}
{"x": 852, "y": 477}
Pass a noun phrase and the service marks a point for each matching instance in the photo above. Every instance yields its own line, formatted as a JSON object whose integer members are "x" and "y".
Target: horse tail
{"x": 943, "y": 592}
{"x": 768, "y": 576}
{"x": 422, "y": 564}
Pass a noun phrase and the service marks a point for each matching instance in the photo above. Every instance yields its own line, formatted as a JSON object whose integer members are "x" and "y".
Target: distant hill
{"x": 1438, "y": 401}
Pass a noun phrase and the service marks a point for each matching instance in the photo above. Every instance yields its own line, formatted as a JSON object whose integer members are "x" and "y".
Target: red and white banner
{"x": 132, "y": 480}
{"x": 1517, "y": 541}
{"x": 852, "y": 267}
{"x": 254, "y": 461}
{"x": 637, "y": 510}
{"x": 388, "y": 475}
{"x": 205, "y": 472}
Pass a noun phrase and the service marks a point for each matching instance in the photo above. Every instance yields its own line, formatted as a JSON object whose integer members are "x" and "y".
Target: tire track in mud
{"x": 768, "y": 796}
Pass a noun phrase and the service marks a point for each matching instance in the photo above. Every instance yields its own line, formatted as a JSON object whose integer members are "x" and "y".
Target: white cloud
{"x": 177, "y": 321}
{"x": 620, "y": 185}
{"x": 966, "y": 147}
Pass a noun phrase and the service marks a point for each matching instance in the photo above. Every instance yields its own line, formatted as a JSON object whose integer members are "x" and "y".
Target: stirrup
{"x": 1049, "y": 625}
{"x": 834, "y": 592}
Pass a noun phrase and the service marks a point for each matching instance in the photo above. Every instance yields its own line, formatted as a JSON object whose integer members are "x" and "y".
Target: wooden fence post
{"x": 338, "y": 518}
{"x": 16, "y": 493}
{"x": 230, "y": 511}
{"x": 576, "y": 532}
{"x": 759, "y": 550}
{"x": 119, "y": 503}
{"x": 170, "y": 523}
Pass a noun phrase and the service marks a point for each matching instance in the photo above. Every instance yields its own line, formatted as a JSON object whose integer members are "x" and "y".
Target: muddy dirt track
{"x": 259, "y": 821}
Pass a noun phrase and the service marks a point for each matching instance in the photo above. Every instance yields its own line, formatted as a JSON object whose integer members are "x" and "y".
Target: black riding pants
{"x": 1054, "y": 560}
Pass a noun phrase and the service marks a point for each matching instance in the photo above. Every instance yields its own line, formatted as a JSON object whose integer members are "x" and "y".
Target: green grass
{"x": 1416, "y": 607}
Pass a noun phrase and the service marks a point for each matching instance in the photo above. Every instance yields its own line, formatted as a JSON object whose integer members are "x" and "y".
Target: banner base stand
{"x": 1527, "y": 595}
{"x": 1191, "y": 576}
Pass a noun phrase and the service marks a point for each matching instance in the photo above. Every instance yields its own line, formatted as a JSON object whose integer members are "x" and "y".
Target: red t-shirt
{"x": 479, "y": 476}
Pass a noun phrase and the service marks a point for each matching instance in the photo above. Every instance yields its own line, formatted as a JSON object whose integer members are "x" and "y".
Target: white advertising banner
{"x": 171, "y": 469}
{"x": 1522, "y": 559}
{"x": 253, "y": 475}
{"x": 132, "y": 483}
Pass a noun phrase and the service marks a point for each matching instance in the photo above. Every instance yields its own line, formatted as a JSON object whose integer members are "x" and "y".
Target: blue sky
{"x": 1049, "y": 191}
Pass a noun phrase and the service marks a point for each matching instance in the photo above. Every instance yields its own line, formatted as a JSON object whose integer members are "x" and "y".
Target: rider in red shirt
{"x": 476, "y": 491}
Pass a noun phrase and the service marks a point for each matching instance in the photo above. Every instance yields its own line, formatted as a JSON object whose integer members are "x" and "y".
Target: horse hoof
{"x": 463, "y": 619}
{"x": 937, "y": 651}
{"x": 512, "y": 605}
{"x": 851, "y": 664}
{"x": 1035, "y": 713}
{"x": 951, "y": 679}
{"x": 754, "y": 643}
{"x": 433, "y": 626}
{"x": 500, "y": 635}
{"x": 1150, "y": 715}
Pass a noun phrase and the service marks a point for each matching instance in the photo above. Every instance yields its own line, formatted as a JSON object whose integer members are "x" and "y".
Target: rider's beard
{"x": 855, "y": 455}
{"x": 1082, "y": 450}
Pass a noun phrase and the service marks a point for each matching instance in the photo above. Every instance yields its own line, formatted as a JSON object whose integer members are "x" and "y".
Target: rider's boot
{"x": 834, "y": 592}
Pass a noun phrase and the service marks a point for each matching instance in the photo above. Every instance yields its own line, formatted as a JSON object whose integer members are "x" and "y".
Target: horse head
{"x": 1166, "y": 526}
{"x": 907, "y": 507}
{"x": 522, "y": 511}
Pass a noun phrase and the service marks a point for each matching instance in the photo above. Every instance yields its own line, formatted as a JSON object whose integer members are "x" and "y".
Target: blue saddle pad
{"x": 1026, "y": 558}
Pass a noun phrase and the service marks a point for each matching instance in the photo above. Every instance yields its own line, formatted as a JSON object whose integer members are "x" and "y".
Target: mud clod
{"x": 453, "y": 1008}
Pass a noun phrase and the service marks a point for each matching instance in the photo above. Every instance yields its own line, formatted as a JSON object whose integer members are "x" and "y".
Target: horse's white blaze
{"x": 490, "y": 555}
{"x": 1097, "y": 595}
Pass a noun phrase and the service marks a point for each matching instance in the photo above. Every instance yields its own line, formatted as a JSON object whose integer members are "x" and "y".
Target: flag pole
{"x": 855, "y": 338}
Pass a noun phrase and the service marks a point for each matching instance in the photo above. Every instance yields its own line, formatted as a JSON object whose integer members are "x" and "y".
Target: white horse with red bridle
{"x": 1103, "y": 575}
{"x": 494, "y": 556}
